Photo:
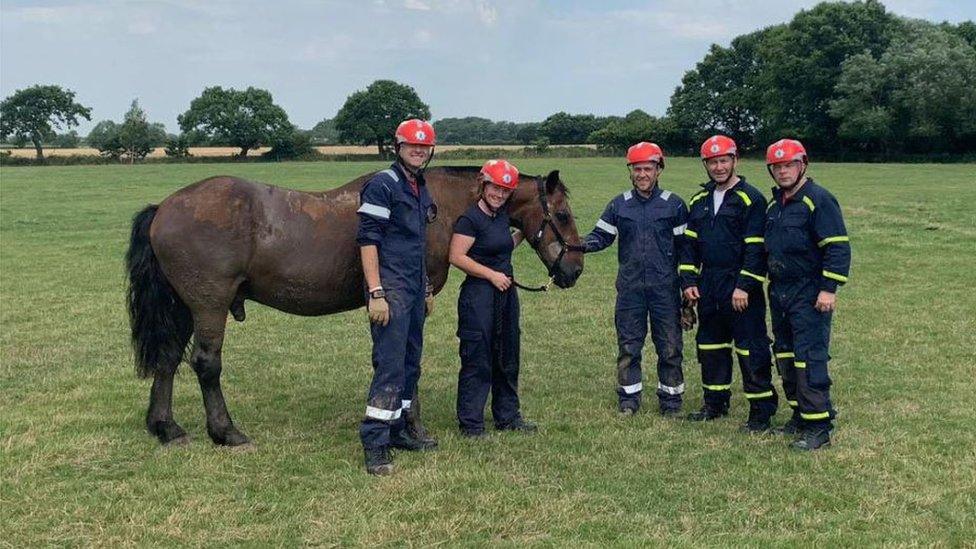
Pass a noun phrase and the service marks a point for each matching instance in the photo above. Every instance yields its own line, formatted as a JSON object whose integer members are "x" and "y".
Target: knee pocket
{"x": 472, "y": 345}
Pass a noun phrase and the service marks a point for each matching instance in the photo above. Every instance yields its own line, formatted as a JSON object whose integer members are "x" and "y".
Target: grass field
{"x": 78, "y": 467}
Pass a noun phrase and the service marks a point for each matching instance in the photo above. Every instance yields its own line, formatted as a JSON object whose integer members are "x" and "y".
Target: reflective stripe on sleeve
{"x": 374, "y": 210}
{"x": 606, "y": 227}
{"x": 697, "y": 197}
{"x": 392, "y": 174}
{"x": 754, "y": 240}
{"x": 690, "y": 268}
{"x": 809, "y": 203}
{"x": 680, "y": 229}
{"x": 799, "y": 364}
{"x": 752, "y": 275}
{"x": 793, "y": 403}
{"x": 738, "y": 351}
{"x": 832, "y": 240}
{"x": 835, "y": 276}
{"x": 788, "y": 354}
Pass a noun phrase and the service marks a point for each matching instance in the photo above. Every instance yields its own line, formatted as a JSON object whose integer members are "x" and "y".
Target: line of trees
{"x": 842, "y": 77}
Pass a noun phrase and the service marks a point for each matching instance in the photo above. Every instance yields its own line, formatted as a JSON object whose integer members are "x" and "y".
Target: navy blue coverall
{"x": 394, "y": 218}
{"x": 725, "y": 252}
{"x": 651, "y": 232}
{"x": 809, "y": 252}
{"x": 488, "y": 327}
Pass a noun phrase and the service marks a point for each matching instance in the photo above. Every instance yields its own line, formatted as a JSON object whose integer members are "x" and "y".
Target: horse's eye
{"x": 563, "y": 217}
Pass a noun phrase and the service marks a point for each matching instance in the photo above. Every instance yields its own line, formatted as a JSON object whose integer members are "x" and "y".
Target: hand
{"x": 500, "y": 280}
{"x": 691, "y": 295}
{"x": 379, "y": 311}
{"x": 428, "y": 304}
{"x": 826, "y": 302}
{"x": 740, "y": 300}
{"x": 688, "y": 317}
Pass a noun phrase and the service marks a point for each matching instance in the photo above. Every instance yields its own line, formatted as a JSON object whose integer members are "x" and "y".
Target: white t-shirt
{"x": 717, "y": 198}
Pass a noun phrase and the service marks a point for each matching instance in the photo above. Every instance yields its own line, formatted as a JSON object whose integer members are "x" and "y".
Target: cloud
{"x": 486, "y": 13}
{"x": 416, "y": 5}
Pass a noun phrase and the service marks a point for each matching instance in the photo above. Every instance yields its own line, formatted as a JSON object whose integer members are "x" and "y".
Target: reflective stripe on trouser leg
{"x": 630, "y": 320}
{"x": 664, "y": 309}
{"x": 755, "y": 360}
{"x": 384, "y": 401}
{"x": 714, "y": 349}
{"x": 811, "y": 339}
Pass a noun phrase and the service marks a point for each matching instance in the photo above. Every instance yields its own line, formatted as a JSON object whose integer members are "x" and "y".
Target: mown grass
{"x": 79, "y": 469}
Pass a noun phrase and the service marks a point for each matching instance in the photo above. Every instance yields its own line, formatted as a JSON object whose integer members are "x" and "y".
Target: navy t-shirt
{"x": 492, "y": 238}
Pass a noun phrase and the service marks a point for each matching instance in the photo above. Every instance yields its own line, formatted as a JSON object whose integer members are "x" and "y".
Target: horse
{"x": 211, "y": 246}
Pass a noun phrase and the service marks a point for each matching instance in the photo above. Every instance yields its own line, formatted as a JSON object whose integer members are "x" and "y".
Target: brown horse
{"x": 210, "y": 246}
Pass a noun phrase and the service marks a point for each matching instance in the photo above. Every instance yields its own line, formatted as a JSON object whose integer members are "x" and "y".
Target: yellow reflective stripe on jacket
{"x": 697, "y": 197}
{"x": 754, "y": 240}
{"x": 809, "y": 203}
{"x": 738, "y": 351}
{"x": 745, "y": 198}
{"x": 835, "y": 276}
{"x": 799, "y": 364}
{"x": 688, "y": 267}
{"x": 752, "y": 275}
{"x": 717, "y": 387}
{"x": 714, "y": 346}
{"x": 793, "y": 403}
{"x": 691, "y": 233}
{"x": 759, "y": 395}
{"x": 818, "y": 415}
{"x": 832, "y": 239}
{"x": 785, "y": 355}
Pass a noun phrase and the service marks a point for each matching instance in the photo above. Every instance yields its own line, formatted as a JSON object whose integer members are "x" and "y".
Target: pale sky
{"x": 500, "y": 59}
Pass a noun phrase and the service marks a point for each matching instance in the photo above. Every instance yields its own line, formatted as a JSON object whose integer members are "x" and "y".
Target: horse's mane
{"x": 473, "y": 170}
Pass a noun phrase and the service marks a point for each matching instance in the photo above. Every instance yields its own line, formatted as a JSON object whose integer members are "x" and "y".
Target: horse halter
{"x": 536, "y": 240}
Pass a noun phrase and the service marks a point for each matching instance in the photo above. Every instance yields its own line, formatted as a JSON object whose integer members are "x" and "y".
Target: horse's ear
{"x": 552, "y": 181}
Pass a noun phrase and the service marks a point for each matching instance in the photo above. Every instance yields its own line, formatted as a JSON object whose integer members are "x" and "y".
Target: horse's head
{"x": 540, "y": 208}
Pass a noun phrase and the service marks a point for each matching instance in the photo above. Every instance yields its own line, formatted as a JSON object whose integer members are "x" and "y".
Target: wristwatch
{"x": 377, "y": 293}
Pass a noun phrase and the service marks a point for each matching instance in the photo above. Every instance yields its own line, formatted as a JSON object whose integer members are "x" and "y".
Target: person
{"x": 393, "y": 216}
{"x": 809, "y": 257}
{"x": 650, "y": 223}
{"x": 722, "y": 271}
{"x": 488, "y": 306}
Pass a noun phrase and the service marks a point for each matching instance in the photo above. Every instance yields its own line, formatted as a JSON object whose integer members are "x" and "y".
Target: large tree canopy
{"x": 371, "y": 116}
{"x": 34, "y": 113}
{"x": 245, "y": 119}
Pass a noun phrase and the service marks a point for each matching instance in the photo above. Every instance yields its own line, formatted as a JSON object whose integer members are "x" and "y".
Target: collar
{"x": 804, "y": 191}
{"x": 655, "y": 192}
{"x": 710, "y": 185}
{"x": 403, "y": 175}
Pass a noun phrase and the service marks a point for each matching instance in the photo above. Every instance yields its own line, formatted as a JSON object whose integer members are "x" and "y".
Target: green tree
{"x": 637, "y": 126}
{"x": 571, "y": 129}
{"x": 245, "y": 119}
{"x": 324, "y": 132}
{"x": 67, "y": 140}
{"x": 178, "y": 146}
{"x": 34, "y": 113}
{"x": 133, "y": 139}
{"x": 101, "y": 133}
{"x": 371, "y": 116}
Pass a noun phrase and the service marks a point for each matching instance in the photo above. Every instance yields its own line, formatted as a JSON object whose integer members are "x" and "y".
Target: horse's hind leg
{"x": 159, "y": 417}
{"x": 208, "y": 339}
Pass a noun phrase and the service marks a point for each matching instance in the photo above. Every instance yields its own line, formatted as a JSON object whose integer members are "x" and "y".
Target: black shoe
{"x": 812, "y": 439}
{"x": 791, "y": 427}
{"x": 417, "y": 430}
{"x": 473, "y": 433}
{"x": 756, "y": 427}
{"x": 519, "y": 425}
{"x": 669, "y": 412}
{"x": 707, "y": 414}
{"x": 378, "y": 461}
{"x": 628, "y": 409}
{"x": 404, "y": 441}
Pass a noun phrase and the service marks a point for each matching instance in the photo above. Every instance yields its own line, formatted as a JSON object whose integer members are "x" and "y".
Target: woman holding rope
{"x": 488, "y": 306}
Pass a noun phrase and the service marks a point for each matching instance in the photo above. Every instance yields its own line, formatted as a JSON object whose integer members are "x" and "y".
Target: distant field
{"x": 231, "y": 151}
{"x": 78, "y": 467}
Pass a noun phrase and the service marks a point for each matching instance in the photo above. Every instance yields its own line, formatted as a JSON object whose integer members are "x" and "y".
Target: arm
{"x": 374, "y": 217}
{"x": 458, "y": 256}
{"x": 832, "y": 239}
{"x": 605, "y": 231}
{"x": 753, "y": 271}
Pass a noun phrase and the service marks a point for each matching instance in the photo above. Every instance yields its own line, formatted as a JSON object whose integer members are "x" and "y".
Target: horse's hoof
{"x": 232, "y": 438}
{"x": 169, "y": 433}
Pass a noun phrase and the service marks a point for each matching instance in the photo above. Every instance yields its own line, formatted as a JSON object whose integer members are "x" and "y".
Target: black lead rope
{"x": 563, "y": 246}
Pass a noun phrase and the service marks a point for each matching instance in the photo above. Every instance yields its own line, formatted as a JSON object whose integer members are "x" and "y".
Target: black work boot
{"x": 757, "y": 424}
{"x": 404, "y": 441}
{"x": 519, "y": 425}
{"x": 378, "y": 461}
{"x": 707, "y": 414}
{"x": 791, "y": 427}
{"x": 416, "y": 430}
{"x": 812, "y": 438}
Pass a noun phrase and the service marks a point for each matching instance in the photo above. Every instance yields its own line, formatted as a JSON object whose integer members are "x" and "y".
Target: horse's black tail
{"x": 161, "y": 323}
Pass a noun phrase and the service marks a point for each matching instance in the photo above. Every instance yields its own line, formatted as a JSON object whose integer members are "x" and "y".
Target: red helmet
{"x": 645, "y": 152}
{"x": 718, "y": 145}
{"x": 785, "y": 150}
{"x": 501, "y": 173}
{"x": 416, "y": 131}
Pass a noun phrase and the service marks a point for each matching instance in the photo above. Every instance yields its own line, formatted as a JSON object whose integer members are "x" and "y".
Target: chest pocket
{"x": 664, "y": 222}
{"x": 628, "y": 224}
{"x": 790, "y": 231}
{"x": 405, "y": 215}
{"x": 729, "y": 221}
